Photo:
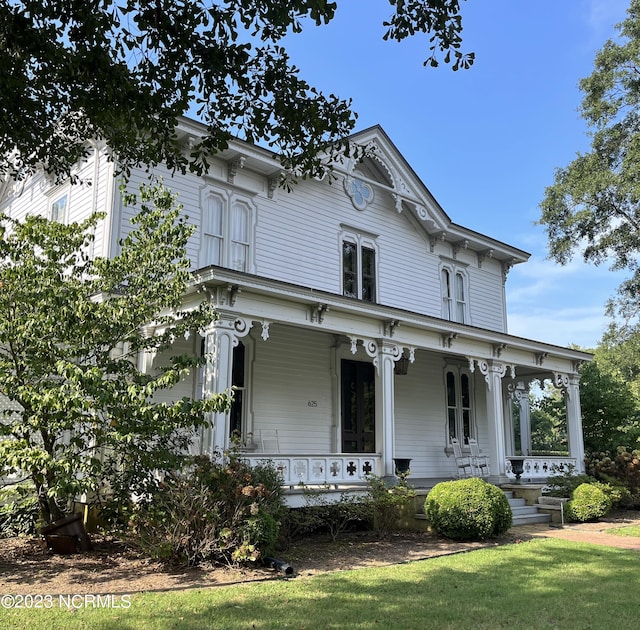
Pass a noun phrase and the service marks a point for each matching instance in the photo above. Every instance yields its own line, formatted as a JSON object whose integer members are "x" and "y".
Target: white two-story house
{"x": 358, "y": 323}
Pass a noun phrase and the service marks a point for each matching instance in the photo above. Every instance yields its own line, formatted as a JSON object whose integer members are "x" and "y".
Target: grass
{"x": 546, "y": 583}
{"x": 631, "y": 530}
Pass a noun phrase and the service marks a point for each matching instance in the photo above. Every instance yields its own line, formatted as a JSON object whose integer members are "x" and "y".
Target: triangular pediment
{"x": 376, "y": 166}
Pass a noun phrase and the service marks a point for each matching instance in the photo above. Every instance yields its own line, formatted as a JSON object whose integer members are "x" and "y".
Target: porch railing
{"x": 319, "y": 469}
{"x": 539, "y": 468}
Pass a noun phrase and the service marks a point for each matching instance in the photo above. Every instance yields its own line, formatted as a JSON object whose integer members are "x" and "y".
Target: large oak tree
{"x": 126, "y": 70}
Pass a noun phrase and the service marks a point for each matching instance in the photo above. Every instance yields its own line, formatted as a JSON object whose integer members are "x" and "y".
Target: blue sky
{"x": 485, "y": 141}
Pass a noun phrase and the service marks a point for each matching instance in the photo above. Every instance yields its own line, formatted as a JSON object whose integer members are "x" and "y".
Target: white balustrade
{"x": 539, "y": 468}
{"x": 320, "y": 469}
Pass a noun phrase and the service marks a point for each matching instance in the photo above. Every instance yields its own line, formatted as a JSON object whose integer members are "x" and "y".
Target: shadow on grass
{"x": 538, "y": 584}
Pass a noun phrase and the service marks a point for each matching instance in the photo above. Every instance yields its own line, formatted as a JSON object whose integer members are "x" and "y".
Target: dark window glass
{"x": 350, "y": 269}
{"x": 237, "y": 380}
{"x": 368, "y": 274}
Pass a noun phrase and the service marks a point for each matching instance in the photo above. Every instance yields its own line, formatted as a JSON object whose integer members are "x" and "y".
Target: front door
{"x": 358, "y": 407}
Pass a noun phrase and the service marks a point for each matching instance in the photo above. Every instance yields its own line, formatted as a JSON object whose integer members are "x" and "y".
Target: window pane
{"x": 459, "y": 287}
{"x": 460, "y": 299}
{"x": 239, "y": 254}
{"x": 466, "y": 425}
{"x": 240, "y": 224}
{"x": 464, "y": 387}
{"x": 451, "y": 389}
{"x": 349, "y": 266}
{"x": 59, "y": 209}
{"x": 452, "y": 423}
{"x": 237, "y": 371}
{"x": 368, "y": 274}
{"x": 446, "y": 294}
{"x": 212, "y": 220}
{"x": 212, "y": 246}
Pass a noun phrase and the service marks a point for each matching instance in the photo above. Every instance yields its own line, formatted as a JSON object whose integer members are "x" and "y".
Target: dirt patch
{"x": 113, "y": 567}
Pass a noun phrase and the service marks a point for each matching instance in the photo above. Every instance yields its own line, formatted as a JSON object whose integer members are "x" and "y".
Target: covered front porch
{"x": 348, "y": 387}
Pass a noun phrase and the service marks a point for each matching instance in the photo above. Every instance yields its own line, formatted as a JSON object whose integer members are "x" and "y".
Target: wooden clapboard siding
{"x": 486, "y": 297}
{"x": 420, "y": 417}
{"x": 291, "y": 372}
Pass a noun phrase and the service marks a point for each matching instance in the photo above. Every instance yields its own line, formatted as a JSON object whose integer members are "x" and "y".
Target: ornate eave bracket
{"x": 491, "y": 368}
{"x": 390, "y": 327}
{"x": 540, "y": 357}
{"x": 435, "y": 238}
{"x": 458, "y": 246}
{"x": 447, "y": 339}
{"x": 487, "y": 253}
{"x": 233, "y": 166}
{"x": 318, "y": 312}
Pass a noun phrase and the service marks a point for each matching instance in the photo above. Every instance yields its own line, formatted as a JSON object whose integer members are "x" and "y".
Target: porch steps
{"x": 524, "y": 514}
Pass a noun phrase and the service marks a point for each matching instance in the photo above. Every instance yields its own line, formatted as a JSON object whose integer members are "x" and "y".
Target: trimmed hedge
{"x": 468, "y": 509}
{"x": 588, "y": 503}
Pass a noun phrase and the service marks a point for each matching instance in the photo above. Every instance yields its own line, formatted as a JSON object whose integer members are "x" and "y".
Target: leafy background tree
{"x": 548, "y": 420}
{"x": 124, "y": 71}
{"x": 71, "y": 329}
{"x": 593, "y": 207}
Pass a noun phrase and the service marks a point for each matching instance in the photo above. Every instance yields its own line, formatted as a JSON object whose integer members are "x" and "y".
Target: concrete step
{"x": 524, "y": 514}
{"x": 529, "y": 519}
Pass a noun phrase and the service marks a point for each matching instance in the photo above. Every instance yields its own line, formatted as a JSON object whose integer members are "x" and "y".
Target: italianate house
{"x": 357, "y": 323}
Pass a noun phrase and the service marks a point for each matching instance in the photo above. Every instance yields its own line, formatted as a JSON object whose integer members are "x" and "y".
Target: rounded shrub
{"x": 468, "y": 509}
{"x": 588, "y": 503}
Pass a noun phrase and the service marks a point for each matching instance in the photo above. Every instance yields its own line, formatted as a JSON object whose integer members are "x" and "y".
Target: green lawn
{"x": 547, "y": 583}
{"x": 632, "y": 530}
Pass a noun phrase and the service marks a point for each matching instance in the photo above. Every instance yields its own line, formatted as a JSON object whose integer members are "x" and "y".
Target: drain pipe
{"x": 278, "y": 565}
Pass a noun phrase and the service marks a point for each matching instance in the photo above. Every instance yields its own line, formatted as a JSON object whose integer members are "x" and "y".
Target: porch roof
{"x": 256, "y": 298}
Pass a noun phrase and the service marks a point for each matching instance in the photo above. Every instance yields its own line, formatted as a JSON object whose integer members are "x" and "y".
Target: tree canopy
{"x": 124, "y": 71}
{"x": 82, "y": 415}
{"x": 593, "y": 207}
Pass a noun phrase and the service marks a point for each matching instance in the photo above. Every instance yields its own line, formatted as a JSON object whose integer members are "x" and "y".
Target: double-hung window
{"x": 459, "y": 396}
{"x": 226, "y": 232}
{"x": 359, "y": 266}
{"x": 453, "y": 284}
{"x": 59, "y": 207}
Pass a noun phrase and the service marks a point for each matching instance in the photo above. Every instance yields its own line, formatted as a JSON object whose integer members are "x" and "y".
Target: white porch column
{"x": 521, "y": 395}
{"x": 220, "y": 339}
{"x": 385, "y": 404}
{"x": 575, "y": 438}
{"x": 493, "y": 372}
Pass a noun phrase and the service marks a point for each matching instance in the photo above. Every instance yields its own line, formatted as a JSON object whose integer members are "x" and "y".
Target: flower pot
{"x": 401, "y": 465}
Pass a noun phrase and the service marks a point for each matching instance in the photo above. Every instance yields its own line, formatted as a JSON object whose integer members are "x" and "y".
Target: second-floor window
{"x": 358, "y": 269}
{"x": 226, "y": 233}
{"x": 454, "y": 295}
{"x": 59, "y": 208}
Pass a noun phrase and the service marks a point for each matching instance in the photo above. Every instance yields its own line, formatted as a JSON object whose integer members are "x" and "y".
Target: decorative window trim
{"x": 361, "y": 240}
{"x": 456, "y": 423}
{"x": 247, "y": 429}
{"x": 230, "y": 242}
{"x": 455, "y": 307}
